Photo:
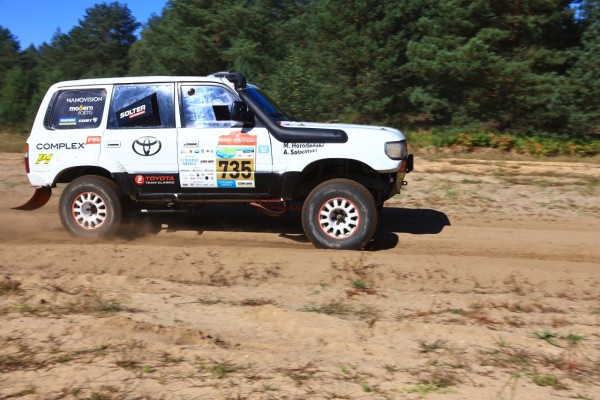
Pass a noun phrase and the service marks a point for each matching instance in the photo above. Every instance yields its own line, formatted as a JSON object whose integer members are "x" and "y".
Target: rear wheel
{"x": 339, "y": 214}
{"x": 91, "y": 206}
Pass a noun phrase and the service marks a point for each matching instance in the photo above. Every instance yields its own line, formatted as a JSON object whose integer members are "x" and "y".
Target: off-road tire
{"x": 91, "y": 207}
{"x": 339, "y": 214}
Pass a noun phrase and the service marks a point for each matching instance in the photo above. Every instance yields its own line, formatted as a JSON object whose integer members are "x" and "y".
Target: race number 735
{"x": 235, "y": 169}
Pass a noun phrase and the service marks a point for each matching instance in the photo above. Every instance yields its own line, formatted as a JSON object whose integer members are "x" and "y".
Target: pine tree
{"x": 13, "y": 97}
{"x": 49, "y": 67}
{"x": 583, "y": 86}
{"x": 496, "y": 63}
{"x": 99, "y": 44}
{"x": 9, "y": 52}
{"x": 198, "y": 37}
{"x": 14, "y": 85}
{"x": 351, "y": 56}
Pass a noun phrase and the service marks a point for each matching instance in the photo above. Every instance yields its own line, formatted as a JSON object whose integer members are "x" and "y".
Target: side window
{"x": 77, "y": 109}
{"x": 204, "y": 106}
{"x": 142, "y": 106}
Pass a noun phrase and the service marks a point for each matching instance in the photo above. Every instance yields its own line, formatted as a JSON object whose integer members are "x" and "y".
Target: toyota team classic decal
{"x": 154, "y": 179}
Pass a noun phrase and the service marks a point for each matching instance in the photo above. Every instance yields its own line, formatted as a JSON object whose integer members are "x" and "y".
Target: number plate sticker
{"x": 237, "y": 171}
{"x": 229, "y": 162}
{"x": 235, "y": 158}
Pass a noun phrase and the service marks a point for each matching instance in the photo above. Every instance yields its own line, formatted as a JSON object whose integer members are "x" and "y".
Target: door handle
{"x": 191, "y": 143}
{"x": 113, "y": 144}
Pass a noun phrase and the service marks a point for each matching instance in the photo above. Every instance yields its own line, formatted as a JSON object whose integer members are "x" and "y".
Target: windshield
{"x": 268, "y": 105}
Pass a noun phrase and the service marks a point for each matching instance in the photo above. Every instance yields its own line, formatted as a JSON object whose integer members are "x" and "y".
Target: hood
{"x": 349, "y": 128}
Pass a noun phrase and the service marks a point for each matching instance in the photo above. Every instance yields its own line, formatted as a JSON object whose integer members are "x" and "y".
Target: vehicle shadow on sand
{"x": 230, "y": 218}
{"x": 415, "y": 221}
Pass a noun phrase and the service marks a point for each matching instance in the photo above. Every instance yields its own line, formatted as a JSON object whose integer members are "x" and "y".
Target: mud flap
{"x": 39, "y": 198}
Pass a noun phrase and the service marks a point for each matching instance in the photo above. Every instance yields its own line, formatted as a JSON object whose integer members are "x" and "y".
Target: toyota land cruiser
{"x": 160, "y": 144}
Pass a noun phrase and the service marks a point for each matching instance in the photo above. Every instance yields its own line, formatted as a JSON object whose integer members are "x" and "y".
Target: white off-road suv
{"x": 161, "y": 144}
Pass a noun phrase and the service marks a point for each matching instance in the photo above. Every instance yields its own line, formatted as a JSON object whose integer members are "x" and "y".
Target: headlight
{"x": 396, "y": 150}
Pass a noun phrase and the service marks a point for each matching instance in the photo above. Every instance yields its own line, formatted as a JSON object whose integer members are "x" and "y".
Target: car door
{"x": 141, "y": 136}
{"x": 218, "y": 155}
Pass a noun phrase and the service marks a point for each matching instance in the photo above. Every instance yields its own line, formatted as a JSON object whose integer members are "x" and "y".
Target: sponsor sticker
{"x": 139, "y": 179}
{"x": 143, "y": 112}
{"x": 145, "y": 180}
{"x": 60, "y": 146}
{"x": 228, "y": 163}
{"x": 93, "y": 140}
{"x": 67, "y": 121}
{"x": 189, "y": 161}
{"x": 44, "y": 158}
{"x": 235, "y": 158}
{"x": 82, "y": 110}
{"x": 90, "y": 99}
{"x": 226, "y": 152}
{"x": 225, "y": 184}
{"x": 134, "y": 112}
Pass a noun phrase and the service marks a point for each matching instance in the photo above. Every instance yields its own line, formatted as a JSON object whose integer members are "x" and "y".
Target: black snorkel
{"x": 282, "y": 133}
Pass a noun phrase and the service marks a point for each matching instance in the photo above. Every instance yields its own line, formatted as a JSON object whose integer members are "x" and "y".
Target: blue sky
{"x": 36, "y": 21}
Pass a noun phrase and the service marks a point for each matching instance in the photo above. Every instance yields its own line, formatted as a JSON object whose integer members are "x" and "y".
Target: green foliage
{"x": 293, "y": 83}
{"x": 359, "y": 284}
{"x": 536, "y": 145}
{"x": 198, "y": 37}
{"x": 350, "y": 57}
{"x": 332, "y": 308}
{"x": 548, "y": 380}
{"x": 583, "y": 78}
{"x": 9, "y": 53}
{"x": 13, "y": 83}
{"x": 13, "y": 97}
{"x": 494, "y": 63}
{"x": 424, "y": 389}
{"x": 528, "y": 67}
{"x": 8, "y": 287}
{"x": 99, "y": 45}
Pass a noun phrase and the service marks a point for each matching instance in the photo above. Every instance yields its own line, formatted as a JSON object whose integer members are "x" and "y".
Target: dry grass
{"x": 441, "y": 366}
{"x": 550, "y": 343}
{"x": 89, "y": 302}
{"x": 9, "y": 287}
{"x": 13, "y": 142}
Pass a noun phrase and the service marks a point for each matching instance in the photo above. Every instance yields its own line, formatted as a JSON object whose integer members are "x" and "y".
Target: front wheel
{"x": 339, "y": 214}
{"x": 90, "y": 206}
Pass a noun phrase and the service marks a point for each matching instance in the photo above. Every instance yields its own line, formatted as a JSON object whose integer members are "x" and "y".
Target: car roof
{"x": 140, "y": 79}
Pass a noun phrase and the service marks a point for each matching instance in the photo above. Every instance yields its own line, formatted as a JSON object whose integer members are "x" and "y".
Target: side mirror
{"x": 239, "y": 111}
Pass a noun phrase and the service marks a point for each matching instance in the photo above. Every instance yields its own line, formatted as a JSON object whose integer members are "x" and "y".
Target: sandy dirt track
{"x": 483, "y": 282}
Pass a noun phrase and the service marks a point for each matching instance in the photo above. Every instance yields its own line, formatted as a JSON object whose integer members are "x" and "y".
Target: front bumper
{"x": 406, "y": 166}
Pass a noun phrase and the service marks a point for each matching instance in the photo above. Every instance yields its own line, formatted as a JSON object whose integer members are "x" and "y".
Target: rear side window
{"x": 142, "y": 106}
{"x": 78, "y": 109}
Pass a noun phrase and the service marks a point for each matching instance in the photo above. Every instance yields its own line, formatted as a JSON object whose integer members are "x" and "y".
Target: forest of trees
{"x": 519, "y": 66}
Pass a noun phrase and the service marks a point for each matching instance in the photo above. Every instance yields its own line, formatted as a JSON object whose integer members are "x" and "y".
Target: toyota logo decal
{"x": 146, "y": 146}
